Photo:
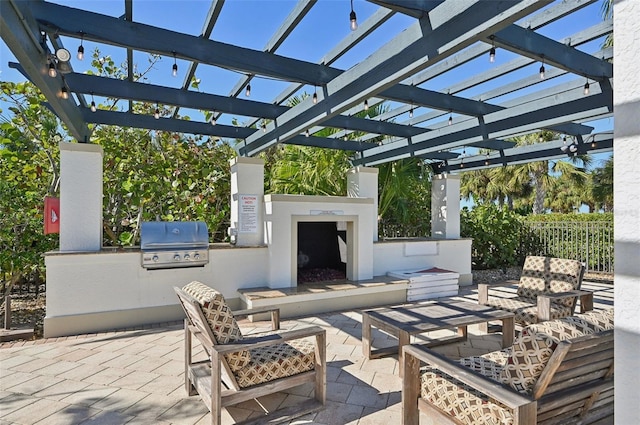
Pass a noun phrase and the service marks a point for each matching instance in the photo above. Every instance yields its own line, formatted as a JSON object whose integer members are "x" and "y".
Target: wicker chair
{"x": 241, "y": 368}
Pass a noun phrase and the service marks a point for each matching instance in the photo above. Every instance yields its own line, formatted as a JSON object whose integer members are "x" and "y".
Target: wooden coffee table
{"x": 404, "y": 321}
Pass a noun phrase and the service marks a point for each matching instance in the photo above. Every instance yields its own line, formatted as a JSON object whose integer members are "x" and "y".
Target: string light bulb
{"x": 264, "y": 127}
{"x": 93, "y": 104}
{"x": 586, "y": 88}
{"x": 156, "y": 114}
{"x": 594, "y": 144}
{"x": 450, "y": 119}
{"x": 306, "y": 133}
{"x": 315, "y": 95}
{"x": 411, "y": 113}
{"x": 64, "y": 93}
{"x": 352, "y": 19}
{"x": 213, "y": 118}
{"x": 52, "y": 70}
{"x": 492, "y": 52}
{"x": 174, "y": 69}
{"x": 542, "y": 70}
{"x": 81, "y": 48}
{"x": 247, "y": 92}
{"x": 366, "y": 104}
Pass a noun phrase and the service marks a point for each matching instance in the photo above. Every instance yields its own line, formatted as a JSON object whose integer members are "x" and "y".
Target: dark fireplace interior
{"x": 319, "y": 256}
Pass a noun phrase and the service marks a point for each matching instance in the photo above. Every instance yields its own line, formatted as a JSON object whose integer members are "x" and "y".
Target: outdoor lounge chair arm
{"x": 267, "y": 340}
{"x": 275, "y": 314}
{"x": 483, "y": 289}
{"x": 545, "y": 300}
{"x": 510, "y": 398}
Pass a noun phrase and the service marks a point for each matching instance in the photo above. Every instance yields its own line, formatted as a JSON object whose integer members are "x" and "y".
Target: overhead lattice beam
{"x": 450, "y": 27}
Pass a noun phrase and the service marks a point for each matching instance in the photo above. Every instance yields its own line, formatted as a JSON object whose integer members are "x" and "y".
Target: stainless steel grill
{"x": 171, "y": 244}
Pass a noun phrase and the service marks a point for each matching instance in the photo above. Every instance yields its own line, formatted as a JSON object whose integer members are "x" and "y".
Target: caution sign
{"x": 51, "y": 215}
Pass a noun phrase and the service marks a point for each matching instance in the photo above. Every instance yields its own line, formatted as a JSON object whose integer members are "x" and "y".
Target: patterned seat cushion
{"x": 545, "y": 275}
{"x": 220, "y": 319}
{"x": 490, "y": 364}
{"x": 277, "y": 361}
{"x": 461, "y": 401}
{"x": 526, "y": 309}
{"x": 534, "y": 346}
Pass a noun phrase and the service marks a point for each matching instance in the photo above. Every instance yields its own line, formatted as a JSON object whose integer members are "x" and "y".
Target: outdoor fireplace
{"x": 286, "y": 216}
{"x": 322, "y": 251}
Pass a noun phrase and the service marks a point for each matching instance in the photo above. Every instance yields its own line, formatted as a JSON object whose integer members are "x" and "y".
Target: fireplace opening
{"x": 321, "y": 251}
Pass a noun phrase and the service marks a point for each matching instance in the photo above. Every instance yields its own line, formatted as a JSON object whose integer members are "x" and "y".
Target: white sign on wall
{"x": 248, "y": 217}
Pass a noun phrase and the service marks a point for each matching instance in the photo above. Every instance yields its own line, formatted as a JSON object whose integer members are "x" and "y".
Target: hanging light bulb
{"x": 81, "y": 48}
{"x": 156, "y": 114}
{"x": 586, "y": 88}
{"x": 540, "y": 138}
{"x": 594, "y": 144}
{"x": 247, "y": 92}
{"x": 564, "y": 146}
{"x": 450, "y": 119}
{"x": 264, "y": 127}
{"x": 492, "y": 52}
{"x": 411, "y": 113}
{"x": 64, "y": 93}
{"x": 306, "y": 133}
{"x": 366, "y": 104}
{"x": 213, "y": 118}
{"x": 174, "y": 70}
{"x": 542, "y": 70}
{"x": 315, "y": 98}
{"x": 52, "y": 70}
{"x": 573, "y": 148}
{"x": 93, "y": 104}
{"x": 352, "y": 18}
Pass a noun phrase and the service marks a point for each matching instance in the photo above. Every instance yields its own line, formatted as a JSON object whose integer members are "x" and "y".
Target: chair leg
{"x": 410, "y": 390}
{"x": 216, "y": 389}
{"x": 321, "y": 371}
{"x": 190, "y": 389}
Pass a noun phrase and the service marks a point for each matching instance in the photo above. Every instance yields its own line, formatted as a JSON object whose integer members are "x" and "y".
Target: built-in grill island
{"x": 172, "y": 244}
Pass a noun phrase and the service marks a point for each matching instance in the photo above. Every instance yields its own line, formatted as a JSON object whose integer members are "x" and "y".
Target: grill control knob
{"x": 187, "y": 256}
{"x": 155, "y": 258}
{"x": 196, "y": 256}
{"x": 176, "y": 257}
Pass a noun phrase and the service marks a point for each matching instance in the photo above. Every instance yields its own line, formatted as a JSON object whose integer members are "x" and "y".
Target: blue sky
{"x": 251, "y": 23}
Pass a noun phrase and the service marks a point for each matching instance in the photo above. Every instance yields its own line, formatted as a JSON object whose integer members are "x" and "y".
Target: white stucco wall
{"x": 109, "y": 283}
{"x": 450, "y": 254}
{"x": 627, "y": 209}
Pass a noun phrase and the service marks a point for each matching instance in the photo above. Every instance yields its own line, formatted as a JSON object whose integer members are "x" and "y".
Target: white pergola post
{"x": 247, "y": 201}
{"x": 445, "y": 206}
{"x": 80, "y": 197}
{"x": 626, "y": 97}
{"x": 362, "y": 182}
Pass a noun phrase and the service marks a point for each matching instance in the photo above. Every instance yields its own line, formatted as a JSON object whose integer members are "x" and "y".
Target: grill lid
{"x": 171, "y": 235}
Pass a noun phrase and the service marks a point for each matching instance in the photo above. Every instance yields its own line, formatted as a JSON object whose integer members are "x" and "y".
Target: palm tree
{"x": 602, "y": 186}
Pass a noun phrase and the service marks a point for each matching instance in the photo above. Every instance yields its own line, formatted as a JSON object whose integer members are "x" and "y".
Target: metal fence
{"x": 590, "y": 242}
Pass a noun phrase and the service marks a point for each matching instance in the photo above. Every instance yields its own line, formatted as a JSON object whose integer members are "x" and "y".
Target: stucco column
{"x": 362, "y": 182}
{"x": 80, "y": 197}
{"x": 247, "y": 201}
{"x": 626, "y": 99}
{"x": 445, "y": 206}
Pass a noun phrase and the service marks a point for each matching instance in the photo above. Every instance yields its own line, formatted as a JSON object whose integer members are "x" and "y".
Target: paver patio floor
{"x": 137, "y": 376}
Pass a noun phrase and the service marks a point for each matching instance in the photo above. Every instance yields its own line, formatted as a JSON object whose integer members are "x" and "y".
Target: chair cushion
{"x": 277, "y": 361}
{"x": 545, "y": 275}
{"x": 461, "y": 401}
{"x": 220, "y": 318}
{"x": 526, "y": 309}
{"x": 490, "y": 364}
{"x": 534, "y": 346}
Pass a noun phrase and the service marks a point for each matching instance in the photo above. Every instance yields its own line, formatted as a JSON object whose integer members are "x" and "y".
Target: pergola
{"x": 460, "y": 127}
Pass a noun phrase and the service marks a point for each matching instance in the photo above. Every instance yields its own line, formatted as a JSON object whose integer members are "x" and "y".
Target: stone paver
{"x": 137, "y": 376}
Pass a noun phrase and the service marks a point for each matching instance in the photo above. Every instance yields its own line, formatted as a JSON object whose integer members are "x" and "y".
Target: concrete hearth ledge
{"x": 312, "y": 298}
